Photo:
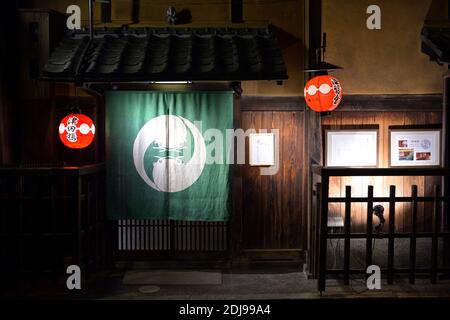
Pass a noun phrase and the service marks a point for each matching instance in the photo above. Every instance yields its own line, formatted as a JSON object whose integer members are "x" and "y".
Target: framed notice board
{"x": 351, "y": 148}
{"x": 414, "y": 147}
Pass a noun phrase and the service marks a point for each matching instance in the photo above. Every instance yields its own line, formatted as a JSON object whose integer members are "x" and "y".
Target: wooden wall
{"x": 40, "y": 141}
{"x": 8, "y": 82}
{"x": 41, "y": 105}
{"x": 273, "y": 204}
{"x": 383, "y": 120}
{"x": 273, "y": 215}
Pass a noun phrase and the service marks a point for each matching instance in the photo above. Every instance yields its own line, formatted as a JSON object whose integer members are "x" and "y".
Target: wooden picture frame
{"x": 261, "y": 149}
{"x": 351, "y": 148}
{"x": 415, "y": 147}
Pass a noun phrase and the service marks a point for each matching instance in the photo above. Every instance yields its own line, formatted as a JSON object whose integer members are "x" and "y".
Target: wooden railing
{"x": 321, "y": 234}
{"x": 51, "y": 217}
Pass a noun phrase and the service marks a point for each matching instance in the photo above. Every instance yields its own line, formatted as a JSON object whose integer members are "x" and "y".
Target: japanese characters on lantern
{"x": 323, "y": 93}
{"x": 76, "y": 131}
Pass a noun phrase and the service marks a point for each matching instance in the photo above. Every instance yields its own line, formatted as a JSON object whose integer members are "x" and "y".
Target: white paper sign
{"x": 415, "y": 148}
{"x": 262, "y": 149}
{"x": 351, "y": 148}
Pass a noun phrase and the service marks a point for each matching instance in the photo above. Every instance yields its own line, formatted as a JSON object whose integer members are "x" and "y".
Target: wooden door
{"x": 272, "y": 213}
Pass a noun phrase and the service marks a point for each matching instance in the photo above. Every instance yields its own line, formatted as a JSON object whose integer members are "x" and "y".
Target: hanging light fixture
{"x": 76, "y": 131}
{"x": 320, "y": 66}
{"x": 322, "y": 93}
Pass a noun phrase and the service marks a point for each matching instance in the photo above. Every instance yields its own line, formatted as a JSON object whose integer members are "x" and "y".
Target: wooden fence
{"x": 51, "y": 218}
{"x": 321, "y": 232}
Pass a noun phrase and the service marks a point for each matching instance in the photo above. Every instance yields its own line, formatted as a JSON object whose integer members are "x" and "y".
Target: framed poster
{"x": 351, "y": 148}
{"x": 411, "y": 147}
{"x": 262, "y": 149}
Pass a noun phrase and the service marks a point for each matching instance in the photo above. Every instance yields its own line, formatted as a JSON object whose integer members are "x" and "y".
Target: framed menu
{"x": 262, "y": 149}
{"x": 351, "y": 148}
{"x": 411, "y": 147}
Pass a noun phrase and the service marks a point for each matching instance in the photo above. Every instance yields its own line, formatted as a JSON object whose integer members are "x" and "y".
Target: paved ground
{"x": 266, "y": 284}
{"x": 238, "y": 284}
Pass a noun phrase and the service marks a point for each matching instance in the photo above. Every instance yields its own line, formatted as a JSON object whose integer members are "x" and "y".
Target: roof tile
{"x": 151, "y": 54}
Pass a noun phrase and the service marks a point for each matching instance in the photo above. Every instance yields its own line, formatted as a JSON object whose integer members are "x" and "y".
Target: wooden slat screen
{"x": 165, "y": 235}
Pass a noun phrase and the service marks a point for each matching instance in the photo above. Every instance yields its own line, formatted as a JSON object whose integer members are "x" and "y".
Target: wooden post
{"x": 76, "y": 233}
{"x": 106, "y": 11}
{"x": 323, "y": 233}
{"x": 434, "y": 239}
{"x": 369, "y": 226}
{"x": 446, "y": 161}
{"x": 315, "y": 247}
{"x": 91, "y": 19}
{"x": 88, "y": 231}
{"x": 20, "y": 237}
{"x": 315, "y": 29}
{"x": 347, "y": 225}
{"x": 412, "y": 246}
{"x": 54, "y": 224}
{"x": 237, "y": 11}
{"x": 11, "y": 108}
{"x": 390, "y": 278}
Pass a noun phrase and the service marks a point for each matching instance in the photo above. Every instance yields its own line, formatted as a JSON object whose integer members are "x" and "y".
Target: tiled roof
{"x": 436, "y": 43}
{"x": 163, "y": 54}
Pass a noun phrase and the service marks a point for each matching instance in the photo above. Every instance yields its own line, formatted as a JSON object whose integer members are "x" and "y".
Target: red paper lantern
{"x": 76, "y": 131}
{"x": 323, "y": 93}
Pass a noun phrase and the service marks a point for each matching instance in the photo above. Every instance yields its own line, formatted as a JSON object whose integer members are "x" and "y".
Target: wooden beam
{"x": 351, "y": 103}
{"x": 391, "y": 103}
{"x": 263, "y": 103}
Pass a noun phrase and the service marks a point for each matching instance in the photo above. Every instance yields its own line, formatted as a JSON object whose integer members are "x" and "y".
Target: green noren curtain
{"x": 159, "y": 151}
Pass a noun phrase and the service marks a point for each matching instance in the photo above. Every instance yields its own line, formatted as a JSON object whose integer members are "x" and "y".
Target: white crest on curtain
{"x": 168, "y": 133}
